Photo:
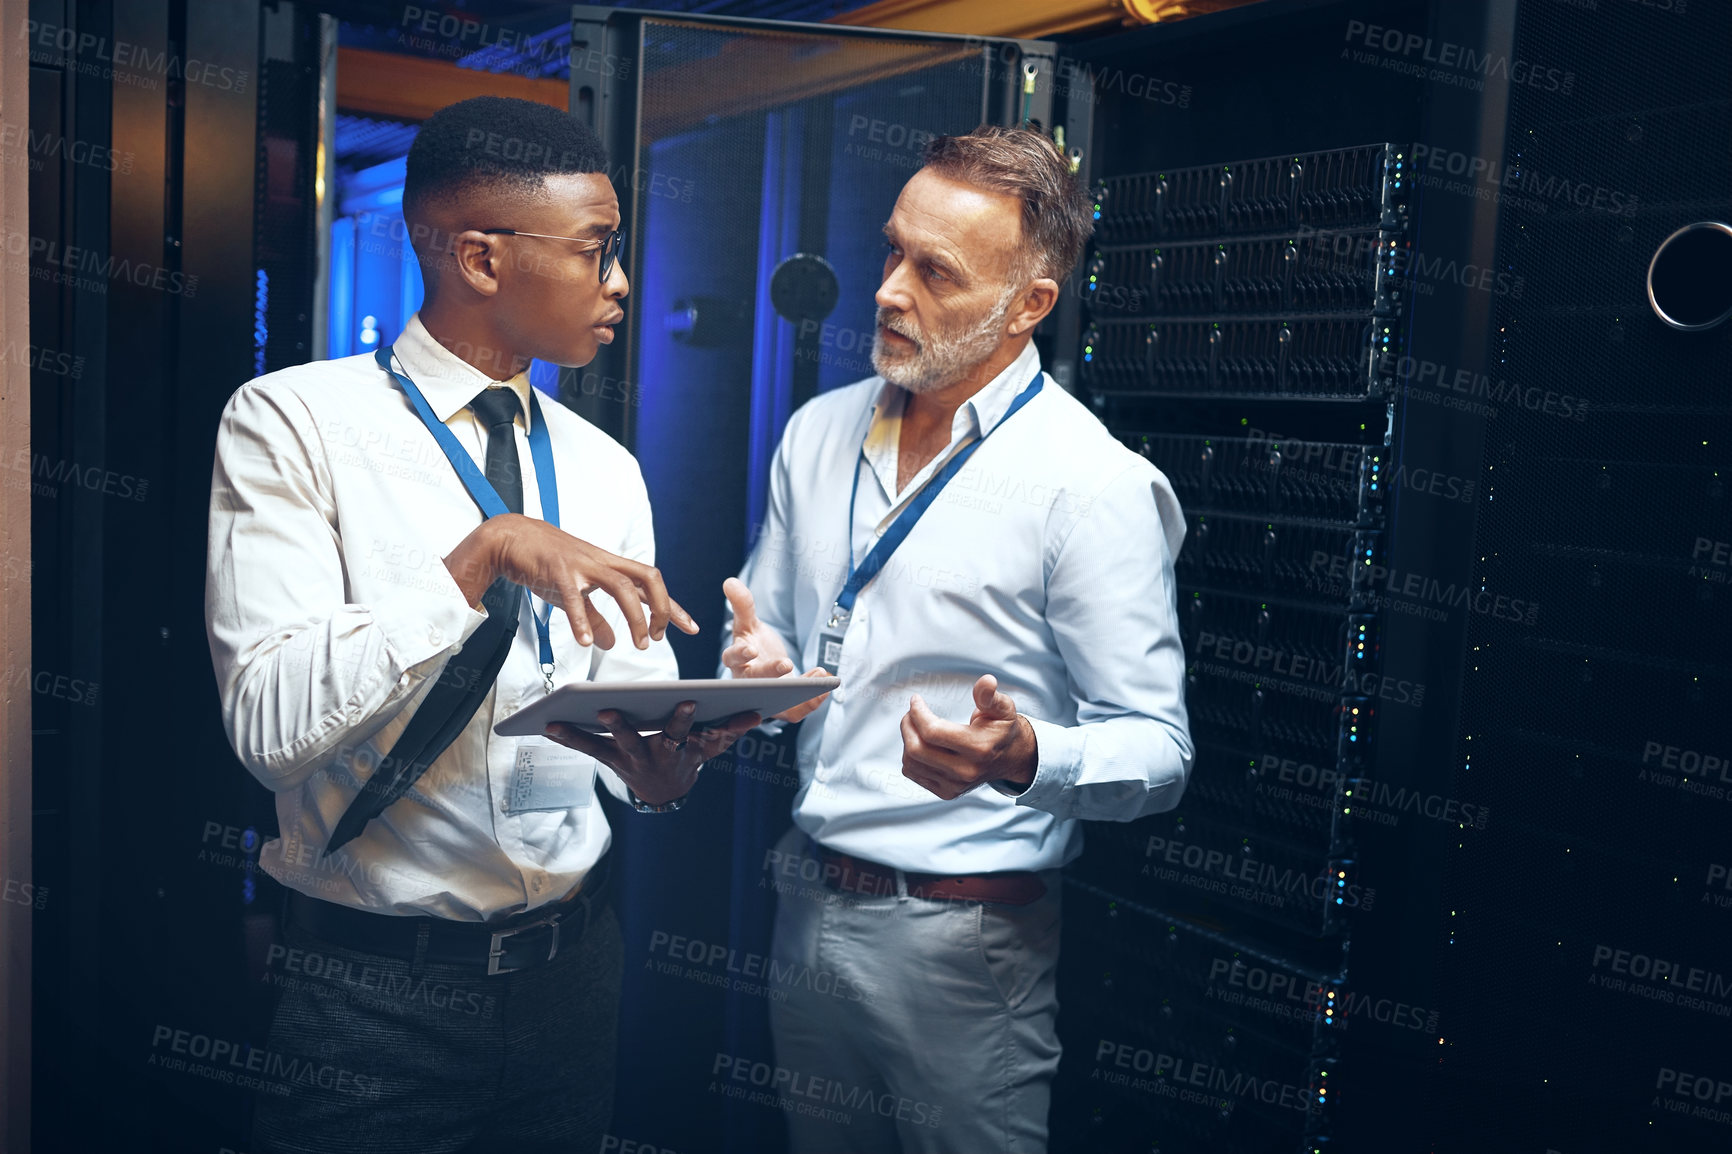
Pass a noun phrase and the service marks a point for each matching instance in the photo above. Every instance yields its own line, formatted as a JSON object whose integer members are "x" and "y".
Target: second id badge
{"x": 549, "y": 776}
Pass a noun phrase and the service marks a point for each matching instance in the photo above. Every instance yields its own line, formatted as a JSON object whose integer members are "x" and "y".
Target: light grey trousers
{"x": 924, "y": 1025}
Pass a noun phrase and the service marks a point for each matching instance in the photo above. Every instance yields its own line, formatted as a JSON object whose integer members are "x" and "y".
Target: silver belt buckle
{"x": 496, "y": 948}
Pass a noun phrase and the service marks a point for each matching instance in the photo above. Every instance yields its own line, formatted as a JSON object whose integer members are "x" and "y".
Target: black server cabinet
{"x": 171, "y": 187}
{"x": 1245, "y": 319}
{"x": 1594, "y": 912}
{"x": 1271, "y": 290}
{"x": 1526, "y": 838}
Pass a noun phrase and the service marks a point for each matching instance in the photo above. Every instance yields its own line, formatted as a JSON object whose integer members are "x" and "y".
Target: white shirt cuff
{"x": 421, "y": 626}
{"x": 1058, "y": 760}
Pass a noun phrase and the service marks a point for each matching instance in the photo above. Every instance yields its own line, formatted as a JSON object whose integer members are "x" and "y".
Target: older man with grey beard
{"x": 991, "y": 575}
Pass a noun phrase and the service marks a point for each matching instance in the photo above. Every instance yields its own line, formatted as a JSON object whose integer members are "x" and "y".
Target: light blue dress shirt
{"x": 1047, "y": 562}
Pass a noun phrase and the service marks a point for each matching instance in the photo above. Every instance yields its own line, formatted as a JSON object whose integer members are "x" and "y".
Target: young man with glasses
{"x": 450, "y": 967}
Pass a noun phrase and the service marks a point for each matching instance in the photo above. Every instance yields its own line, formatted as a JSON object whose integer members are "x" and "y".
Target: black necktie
{"x": 498, "y": 409}
{"x": 470, "y": 673}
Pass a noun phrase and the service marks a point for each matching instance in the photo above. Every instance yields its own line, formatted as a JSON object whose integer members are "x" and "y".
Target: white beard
{"x": 941, "y": 359}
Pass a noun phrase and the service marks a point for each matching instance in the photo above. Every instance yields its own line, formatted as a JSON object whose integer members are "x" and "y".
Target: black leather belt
{"x": 517, "y": 943}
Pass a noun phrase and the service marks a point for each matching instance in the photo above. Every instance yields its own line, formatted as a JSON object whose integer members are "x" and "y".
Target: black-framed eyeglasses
{"x": 609, "y": 247}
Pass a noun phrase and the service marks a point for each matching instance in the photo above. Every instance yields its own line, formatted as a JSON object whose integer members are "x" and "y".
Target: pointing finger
{"x": 745, "y": 608}
{"x": 682, "y": 620}
{"x": 625, "y": 595}
{"x": 654, "y": 593}
{"x": 602, "y": 632}
{"x": 578, "y": 612}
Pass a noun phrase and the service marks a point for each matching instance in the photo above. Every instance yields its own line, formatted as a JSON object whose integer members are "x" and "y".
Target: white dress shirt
{"x": 1047, "y": 562}
{"x": 330, "y": 615}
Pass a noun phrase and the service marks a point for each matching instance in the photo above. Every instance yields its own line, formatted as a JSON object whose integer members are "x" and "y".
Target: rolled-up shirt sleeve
{"x": 1112, "y": 609}
{"x": 303, "y": 672}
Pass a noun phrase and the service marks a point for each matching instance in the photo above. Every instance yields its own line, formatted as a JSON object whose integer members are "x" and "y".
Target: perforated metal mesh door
{"x": 754, "y": 145}
{"x": 1592, "y": 727}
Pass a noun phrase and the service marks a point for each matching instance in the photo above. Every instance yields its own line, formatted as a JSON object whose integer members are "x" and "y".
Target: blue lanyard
{"x": 861, "y": 574}
{"x": 481, "y": 490}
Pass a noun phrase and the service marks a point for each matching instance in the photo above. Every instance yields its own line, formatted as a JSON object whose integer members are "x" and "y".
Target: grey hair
{"x": 1056, "y": 218}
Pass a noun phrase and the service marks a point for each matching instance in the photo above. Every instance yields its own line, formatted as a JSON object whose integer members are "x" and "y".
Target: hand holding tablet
{"x": 649, "y": 705}
{"x": 655, "y": 734}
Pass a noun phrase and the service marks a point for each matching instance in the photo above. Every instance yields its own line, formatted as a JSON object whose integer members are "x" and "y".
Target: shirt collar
{"x": 448, "y": 381}
{"x": 979, "y": 413}
{"x": 990, "y": 404}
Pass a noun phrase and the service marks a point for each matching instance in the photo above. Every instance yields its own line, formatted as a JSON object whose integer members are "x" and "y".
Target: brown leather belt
{"x": 856, "y": 875}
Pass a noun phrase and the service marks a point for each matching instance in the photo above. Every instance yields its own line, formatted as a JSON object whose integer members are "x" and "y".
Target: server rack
{"x": 1227, "y": 307}
{"x": 1532, "y": 872}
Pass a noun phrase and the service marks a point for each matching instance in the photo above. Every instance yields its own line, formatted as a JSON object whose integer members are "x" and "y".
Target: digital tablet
{"x": 649, "y": 704}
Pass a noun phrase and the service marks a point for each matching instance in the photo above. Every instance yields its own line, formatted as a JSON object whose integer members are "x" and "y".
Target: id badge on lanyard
{"x": 830, "y": 638}
{"x": 830, "y": 651}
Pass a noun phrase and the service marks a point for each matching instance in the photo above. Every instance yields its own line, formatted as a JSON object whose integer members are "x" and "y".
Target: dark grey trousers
{"x": 374, "y": 1054}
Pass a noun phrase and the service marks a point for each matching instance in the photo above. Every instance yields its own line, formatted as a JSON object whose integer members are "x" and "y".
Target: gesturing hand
{"x": 997, "y": 744}
{"x": 662, "y": 766}
{"x": 563, "y": 571}
{"x": 757, "y": 651}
